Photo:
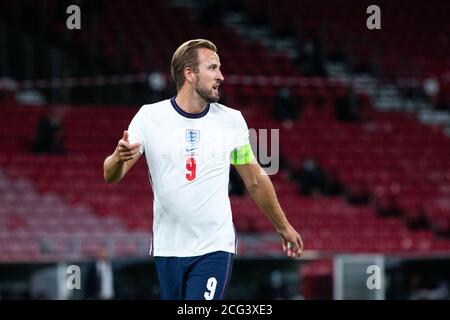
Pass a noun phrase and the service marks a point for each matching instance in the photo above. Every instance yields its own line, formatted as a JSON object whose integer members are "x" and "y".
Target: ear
{"x": 188, "y": 74}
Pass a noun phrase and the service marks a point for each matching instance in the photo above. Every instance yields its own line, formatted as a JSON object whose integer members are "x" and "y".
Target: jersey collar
{"x": 187, "y": 114}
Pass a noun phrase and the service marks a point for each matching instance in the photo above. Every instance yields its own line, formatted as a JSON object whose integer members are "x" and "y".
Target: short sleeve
{"x": 241, "y": 137}
{"x": 242, "y": 150}
{"x": 136, "y": 130}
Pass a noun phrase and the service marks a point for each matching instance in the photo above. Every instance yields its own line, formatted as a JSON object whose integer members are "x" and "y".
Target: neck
{"x": 189, "y": 101}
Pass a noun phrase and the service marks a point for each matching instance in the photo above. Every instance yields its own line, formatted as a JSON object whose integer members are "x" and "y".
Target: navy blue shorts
{"x": 203, "y": 277}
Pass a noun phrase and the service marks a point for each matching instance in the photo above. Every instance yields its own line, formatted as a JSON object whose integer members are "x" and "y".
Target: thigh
{"x": 170, "y": 275}
{"x": 209, "y": 276}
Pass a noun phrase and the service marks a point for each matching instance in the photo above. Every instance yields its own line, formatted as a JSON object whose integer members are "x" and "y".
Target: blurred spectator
{"x": 348, "y": 108}
{"x": 417, "y": 220}
{"x": 418, "y": 289}
{"x": 431, "y": 90}
{"x": 411, "y": 95}
{"x": 100, "y": 278}
{"x": 8, "y": 89}
{"x": 386, "y": 205}
{"x": 310, "y": 58}
{"x": 49, "y": 133}
{"x": 236, "y": 185}
{"x": 311, "y": 178}
{"x": 358, "y": 194}
{"x": 443, "y": 102}
{"x": 284, "y": 107}
{"x": 334, "y": 186}
{"x": 158, "y": 84}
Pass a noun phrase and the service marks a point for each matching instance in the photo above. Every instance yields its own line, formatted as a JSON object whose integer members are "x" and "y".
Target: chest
{"x": 179, "y": 140}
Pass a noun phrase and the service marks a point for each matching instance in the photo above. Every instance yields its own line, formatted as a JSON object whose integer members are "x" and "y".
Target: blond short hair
{"x": 187, "y": 56}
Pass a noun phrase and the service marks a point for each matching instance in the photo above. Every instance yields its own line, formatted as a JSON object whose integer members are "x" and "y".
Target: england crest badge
{"x": 192, "y": 136}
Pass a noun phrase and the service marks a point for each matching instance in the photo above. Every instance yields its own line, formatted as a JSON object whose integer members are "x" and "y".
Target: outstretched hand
{"x": 126, "y": 151}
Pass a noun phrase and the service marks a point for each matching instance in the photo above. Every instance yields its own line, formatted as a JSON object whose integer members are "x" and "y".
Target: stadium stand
{"x": 58, "y": 206}
{"x": 390, "y": 163}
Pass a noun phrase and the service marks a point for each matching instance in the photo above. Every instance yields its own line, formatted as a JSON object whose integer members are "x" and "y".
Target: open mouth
{"x": 216, "y": 86}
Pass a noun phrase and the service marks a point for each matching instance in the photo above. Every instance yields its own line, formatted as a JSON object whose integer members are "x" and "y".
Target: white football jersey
{"x": 188, "y": 156}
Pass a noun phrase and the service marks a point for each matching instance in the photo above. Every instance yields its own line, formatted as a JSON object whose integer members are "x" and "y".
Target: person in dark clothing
{"x": 100, "y": 278}
{"x": 285, "y": 107}
{"x": 334, "y": 186}
{"x": 386, "y": 205}
{"x": 348, "y": 108}
{"x": 312, "y": 178}
{"x": 49, "y": 134}
{"x": 310, "y": 57}
{"x": 358, "y": 194}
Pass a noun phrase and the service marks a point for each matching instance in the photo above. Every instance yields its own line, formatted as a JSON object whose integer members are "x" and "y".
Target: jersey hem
{"x": 176, "y": 253}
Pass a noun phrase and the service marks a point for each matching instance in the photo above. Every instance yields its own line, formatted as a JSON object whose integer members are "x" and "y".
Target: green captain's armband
{"x": 242, "y": 155}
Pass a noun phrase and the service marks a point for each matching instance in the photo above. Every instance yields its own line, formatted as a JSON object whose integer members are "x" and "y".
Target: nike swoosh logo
{"x": 190, "y": 149}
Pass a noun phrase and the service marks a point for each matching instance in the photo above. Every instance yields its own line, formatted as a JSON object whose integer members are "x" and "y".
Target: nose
{"x": 220, "y": 76}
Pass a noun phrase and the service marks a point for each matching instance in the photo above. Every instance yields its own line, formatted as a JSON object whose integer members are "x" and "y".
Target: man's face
{"x": 209, "y": 77}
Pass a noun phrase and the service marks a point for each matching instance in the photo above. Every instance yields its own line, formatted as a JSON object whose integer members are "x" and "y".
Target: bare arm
{"x": 262, "y": 192}
{"x": 120, "y": 162}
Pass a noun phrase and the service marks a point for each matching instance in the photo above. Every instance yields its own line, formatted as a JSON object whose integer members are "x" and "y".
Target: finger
{"x": 299, "y": 248}
{"x": 126, "y": 146}
{"x": 290, "y": 249}
{"x": 284, "y": 245}
{"x": 300, "y": 243}
{"x": 127, "y": 153}
{"x": 125, "y": 135}
{"x": 126, "y": 149}
{"x": 123, "y": 143}
{"x": 297, "y": 252}
{"x": 293, "y": 249}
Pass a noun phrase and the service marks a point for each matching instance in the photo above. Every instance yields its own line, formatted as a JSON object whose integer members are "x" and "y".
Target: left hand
{"x": 292, "y": 242}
